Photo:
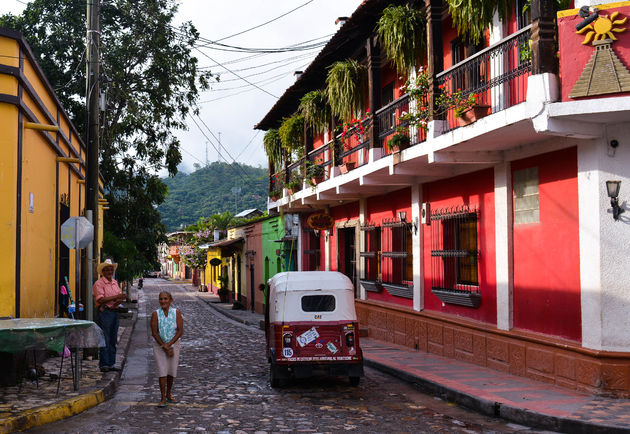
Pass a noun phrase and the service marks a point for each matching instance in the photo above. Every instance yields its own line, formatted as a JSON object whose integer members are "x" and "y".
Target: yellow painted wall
{"x": 38, "y": 260}
{"x": 9, "y": 50}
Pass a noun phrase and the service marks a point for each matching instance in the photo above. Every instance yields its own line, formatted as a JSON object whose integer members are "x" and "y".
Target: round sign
{"x": 287, "y": 353}
{"x": 320, "y": 222}
{"x": 215, "y": 261}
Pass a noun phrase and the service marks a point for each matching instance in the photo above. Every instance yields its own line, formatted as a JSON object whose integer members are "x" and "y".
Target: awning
{"x": 227, "y": 246}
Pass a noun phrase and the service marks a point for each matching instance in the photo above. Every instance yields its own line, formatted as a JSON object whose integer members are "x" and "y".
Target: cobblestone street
{"x": 223, "y": 386}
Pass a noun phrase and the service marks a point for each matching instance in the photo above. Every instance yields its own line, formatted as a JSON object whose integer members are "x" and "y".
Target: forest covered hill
{"x": 208, "y": 191}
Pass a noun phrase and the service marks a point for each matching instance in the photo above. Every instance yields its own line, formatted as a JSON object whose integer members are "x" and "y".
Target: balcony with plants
{"x": 344, "y": 125}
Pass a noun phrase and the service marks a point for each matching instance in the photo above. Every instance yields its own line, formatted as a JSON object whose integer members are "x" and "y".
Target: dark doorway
{"x": 347, "y": 253}
{"x": 64, "y": 257}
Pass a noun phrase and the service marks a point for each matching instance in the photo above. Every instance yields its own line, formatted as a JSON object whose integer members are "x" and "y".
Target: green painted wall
{"x": 272, "y": 230}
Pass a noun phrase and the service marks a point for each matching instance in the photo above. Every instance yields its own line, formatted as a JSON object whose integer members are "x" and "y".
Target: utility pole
{"x": 92, "y": 101}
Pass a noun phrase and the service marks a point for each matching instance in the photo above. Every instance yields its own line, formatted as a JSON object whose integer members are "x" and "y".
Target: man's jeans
{"x": 108, "y": 321}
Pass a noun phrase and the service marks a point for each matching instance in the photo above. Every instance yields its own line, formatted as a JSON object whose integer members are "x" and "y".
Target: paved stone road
{"x": 223, "y": 387}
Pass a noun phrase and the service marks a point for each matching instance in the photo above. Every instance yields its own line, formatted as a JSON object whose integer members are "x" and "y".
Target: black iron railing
{"x": 296, "y": 176}
{"x": 497, "y": 75}
{"x": 355, "y": 146}
{"x": 322, "y": 156}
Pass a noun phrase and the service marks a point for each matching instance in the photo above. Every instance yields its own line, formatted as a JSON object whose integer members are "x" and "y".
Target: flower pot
{"x": 275, "y": 197}
{"x": 473, "y": 114}
{"x": 317, "y": 180}
{"x": 346, "y": 167}
{"x": 223, "y": 297}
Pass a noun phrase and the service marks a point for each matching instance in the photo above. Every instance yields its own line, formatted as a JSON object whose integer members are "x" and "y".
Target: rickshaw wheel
{"x": 354, "y": 381}
{"x": 273, "y": 376}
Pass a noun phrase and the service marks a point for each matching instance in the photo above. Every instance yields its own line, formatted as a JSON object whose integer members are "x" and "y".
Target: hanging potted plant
{"x": 315, "y": 110}
{"x": 402, "y": 34}
{"x": 346, "y": 85}
{"x": 399, "y": 141}
{"x": 291, "y": 133}
{"x": 275, "y": 194}
{"x": 273, "y": 148}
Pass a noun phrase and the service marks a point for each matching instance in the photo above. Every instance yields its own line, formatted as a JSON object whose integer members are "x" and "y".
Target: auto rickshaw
{"x": 311, "y": 326}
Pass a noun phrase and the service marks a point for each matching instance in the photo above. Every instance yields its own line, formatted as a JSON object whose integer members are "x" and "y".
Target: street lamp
{"x": 613, "y": 188}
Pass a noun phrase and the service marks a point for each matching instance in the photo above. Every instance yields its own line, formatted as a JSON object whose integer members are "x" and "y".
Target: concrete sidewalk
{"x": 490, "y": 392}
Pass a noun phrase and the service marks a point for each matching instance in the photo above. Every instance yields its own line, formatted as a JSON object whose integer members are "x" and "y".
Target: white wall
{"x": 604, "y": 242}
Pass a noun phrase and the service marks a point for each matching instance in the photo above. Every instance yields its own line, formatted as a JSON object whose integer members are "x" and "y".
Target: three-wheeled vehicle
{"x": 311, "y": 325}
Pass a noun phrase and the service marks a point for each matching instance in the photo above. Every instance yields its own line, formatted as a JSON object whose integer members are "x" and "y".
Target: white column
{"x": 300, "y": 242}
{"x": 604, "y": 242}
{"x": 361, "y": 244}
{"x": 417, "y": 248}
{"x": 503, "y": 229}
{"x": 497, "y": 66}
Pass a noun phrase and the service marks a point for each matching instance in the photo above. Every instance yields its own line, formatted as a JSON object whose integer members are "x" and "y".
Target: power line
{"x": 267, "y": 80}
{"x": 265, "y": 23}
{"x": 245, "y": 80}
{"x": 246, "y": 146}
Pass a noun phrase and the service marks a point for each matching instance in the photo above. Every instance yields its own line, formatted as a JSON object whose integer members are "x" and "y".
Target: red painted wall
{"x": 386, "y": 207}
{"x": 340, "y": 213}
{"x": 475, "y": 190}
{"x": 546, "y": 254}
{"x": 574, "y": 56}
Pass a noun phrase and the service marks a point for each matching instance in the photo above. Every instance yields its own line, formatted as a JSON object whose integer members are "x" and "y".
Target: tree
{"x": 152, "y": 83}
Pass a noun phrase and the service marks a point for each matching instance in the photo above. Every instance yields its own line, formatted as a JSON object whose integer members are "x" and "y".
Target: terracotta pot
{"x": 317, "y": 180}
{"x": 275, "y": 198}
{"x": 346, "y": 167}
{"x": 473, "y": 114}
{"x": 224, "y": 297}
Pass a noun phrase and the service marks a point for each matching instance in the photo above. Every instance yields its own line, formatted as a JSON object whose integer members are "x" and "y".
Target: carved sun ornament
{"x": 603, "y": 28}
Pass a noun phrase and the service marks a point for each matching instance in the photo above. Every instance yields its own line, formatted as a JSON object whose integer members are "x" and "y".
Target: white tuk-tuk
{"x": 311, "y": 325}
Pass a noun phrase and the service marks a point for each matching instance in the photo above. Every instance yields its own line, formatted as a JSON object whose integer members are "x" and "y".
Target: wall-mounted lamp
{"x": 402, "y": 216}
{"x": 613, "y": 193}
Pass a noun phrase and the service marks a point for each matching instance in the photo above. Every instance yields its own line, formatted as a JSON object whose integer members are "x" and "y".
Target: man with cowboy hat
{"x": 107, "y": 297}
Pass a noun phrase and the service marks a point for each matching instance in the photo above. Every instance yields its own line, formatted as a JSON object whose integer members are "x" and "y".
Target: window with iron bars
{"x": 397, "y": 258}
{"x": 455, "y": 254}
{"x": 311, "y": 250}
{"x": 371, "y": 253}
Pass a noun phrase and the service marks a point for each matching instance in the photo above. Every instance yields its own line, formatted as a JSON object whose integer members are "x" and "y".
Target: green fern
{"x": 273, "y": 148}
{"x": 291, "y": 133}
{"x": 402, "y": 34}
{"x": 473, "y": 17}
{"x": 316, "y": 111}
{"x": 346, "y": 86}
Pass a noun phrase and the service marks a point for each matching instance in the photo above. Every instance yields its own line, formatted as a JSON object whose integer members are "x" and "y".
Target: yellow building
{"x": 42, "y": 183}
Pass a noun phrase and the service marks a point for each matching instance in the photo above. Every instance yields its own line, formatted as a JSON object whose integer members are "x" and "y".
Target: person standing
{"x": 107, "y": 297}
{"x": 167, "y": 326}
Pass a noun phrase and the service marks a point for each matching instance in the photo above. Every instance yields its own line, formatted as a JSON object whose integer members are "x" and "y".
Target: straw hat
{"x": 107, "y": 263}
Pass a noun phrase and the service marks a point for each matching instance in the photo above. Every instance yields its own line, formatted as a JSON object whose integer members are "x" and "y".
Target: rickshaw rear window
{"x": 318, "y": 303}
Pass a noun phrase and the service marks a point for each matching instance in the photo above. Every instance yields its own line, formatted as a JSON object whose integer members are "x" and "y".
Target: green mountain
{"x": 208, "y": 191}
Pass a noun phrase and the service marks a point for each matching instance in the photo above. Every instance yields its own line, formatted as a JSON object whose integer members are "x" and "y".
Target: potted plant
{"x": 398, "y": 141}
{"x": 347, "y": 166}
{"x": 275, "y": 194}
{"x": 316, "y": 111}
{"x": 273, "y": 148}
{"x": 467, "y": 110}
{"x": 293, "y": 186}
{"x": 402, "y": 34}
{"x": 291, "y": 133}
{"x": 223, "y": 292}
{"x": 315, "y": 173}
{"x": 346, "y": 87}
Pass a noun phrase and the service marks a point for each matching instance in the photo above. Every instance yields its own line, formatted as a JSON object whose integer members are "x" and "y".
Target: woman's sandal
{"x": 160, "y": 405}
{"x": 171, "y": 400}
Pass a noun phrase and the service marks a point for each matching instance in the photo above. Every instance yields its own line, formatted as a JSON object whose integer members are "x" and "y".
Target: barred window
{"x": 455, "y": 254}
{"x": 371, "y": 253}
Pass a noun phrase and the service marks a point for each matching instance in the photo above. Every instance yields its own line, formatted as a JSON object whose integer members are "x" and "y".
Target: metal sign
{"x": 77, "y": 228}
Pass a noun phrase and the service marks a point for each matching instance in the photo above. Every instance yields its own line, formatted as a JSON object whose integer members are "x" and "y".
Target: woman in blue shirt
{"x": 167, "y": 326}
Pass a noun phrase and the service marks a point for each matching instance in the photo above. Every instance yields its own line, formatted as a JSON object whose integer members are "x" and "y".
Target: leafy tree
{"x": 151, "y": 81}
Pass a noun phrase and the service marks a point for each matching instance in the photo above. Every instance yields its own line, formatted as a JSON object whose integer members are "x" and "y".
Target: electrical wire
{"x": 265, "y": 23}
{"x": 244, "y": 79}
{"x": 246, "y": 146}
{"x": 263, "y": 81}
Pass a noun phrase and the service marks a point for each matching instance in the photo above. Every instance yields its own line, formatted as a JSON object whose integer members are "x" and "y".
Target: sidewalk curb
{"x": 496, "y": 409}
{"x": 229, "y": 315}
{"x": 71, "y": 406}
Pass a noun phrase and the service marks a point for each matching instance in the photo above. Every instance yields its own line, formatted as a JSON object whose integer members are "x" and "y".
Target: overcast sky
{"x": 232, "y": 107}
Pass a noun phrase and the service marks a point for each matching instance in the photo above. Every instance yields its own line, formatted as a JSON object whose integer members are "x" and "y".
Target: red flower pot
{"x": 473, "y": 114}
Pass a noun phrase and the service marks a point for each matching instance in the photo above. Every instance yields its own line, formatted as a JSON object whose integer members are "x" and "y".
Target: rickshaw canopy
{"x": 311, "y": 295}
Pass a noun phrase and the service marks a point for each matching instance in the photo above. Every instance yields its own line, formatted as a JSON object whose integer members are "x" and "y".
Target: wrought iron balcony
{"x": 497, "y": 75}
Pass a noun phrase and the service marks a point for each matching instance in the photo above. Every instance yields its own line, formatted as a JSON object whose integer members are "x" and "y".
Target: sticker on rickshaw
{"x": 307, "y": 337}
{"x": 287, "y": 353}
{"x": 331, "y": 347}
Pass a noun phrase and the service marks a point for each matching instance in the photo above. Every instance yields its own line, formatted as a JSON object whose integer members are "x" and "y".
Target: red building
{"x": 494, "y": 242}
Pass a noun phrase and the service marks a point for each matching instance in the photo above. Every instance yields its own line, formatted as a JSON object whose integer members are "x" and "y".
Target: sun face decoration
{"x": 603, "y": 28}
